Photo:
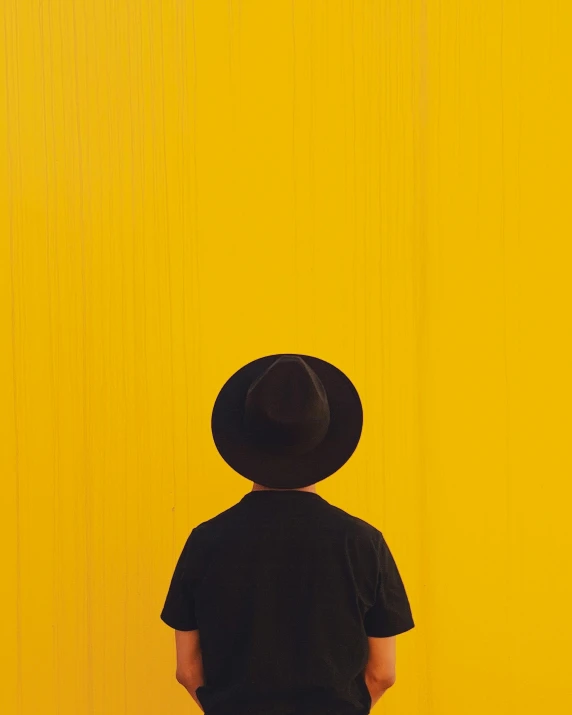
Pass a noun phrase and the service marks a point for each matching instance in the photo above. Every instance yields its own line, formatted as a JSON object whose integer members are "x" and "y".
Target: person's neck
{"x": 259, "y": 487}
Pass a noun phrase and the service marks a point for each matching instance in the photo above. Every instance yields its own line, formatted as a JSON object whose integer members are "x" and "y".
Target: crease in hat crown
{"x": 287, "y": 407}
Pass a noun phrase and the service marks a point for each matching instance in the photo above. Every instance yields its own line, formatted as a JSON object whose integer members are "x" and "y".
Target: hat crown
{"x": 286, "y": 407}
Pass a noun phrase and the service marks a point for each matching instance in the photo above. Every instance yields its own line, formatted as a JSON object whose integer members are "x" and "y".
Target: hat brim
{"x": 287, "y": 472}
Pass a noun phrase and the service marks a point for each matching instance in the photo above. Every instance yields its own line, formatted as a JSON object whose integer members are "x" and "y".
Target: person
{"x": 284, "y": 604}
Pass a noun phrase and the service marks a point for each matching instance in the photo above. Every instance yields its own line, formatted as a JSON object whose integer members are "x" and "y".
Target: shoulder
{"x": 357, "y": 527}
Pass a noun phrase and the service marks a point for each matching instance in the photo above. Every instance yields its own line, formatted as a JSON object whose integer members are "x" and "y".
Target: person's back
{"x": 286, "y": 591}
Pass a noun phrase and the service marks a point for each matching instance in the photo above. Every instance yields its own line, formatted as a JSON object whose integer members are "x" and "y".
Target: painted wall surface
{"x": 186, "y": 186}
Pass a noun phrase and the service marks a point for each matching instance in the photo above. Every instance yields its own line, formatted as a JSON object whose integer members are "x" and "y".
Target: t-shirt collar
{"x": 274, "y": 493}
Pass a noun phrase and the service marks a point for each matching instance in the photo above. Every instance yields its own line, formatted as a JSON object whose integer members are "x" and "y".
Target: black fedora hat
{"x": 286, "y": 421}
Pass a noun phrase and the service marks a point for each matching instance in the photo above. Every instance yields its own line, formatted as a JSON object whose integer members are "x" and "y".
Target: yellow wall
{"x": 188, "y": 186}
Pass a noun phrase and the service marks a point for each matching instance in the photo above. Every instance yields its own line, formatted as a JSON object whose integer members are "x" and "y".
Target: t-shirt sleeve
{"x": 391, "y": 614}
{"x": 179, "y": 607}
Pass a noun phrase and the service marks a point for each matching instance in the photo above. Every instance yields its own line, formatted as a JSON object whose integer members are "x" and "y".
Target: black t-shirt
{"x": 285, "y": 588}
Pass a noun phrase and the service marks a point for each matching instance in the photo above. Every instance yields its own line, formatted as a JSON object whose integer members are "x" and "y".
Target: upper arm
{"x": 179, "y": 607}
{"x": 189, "y": 658}
{"x": 390, "y": 614}
{"x": 382, "y": 657}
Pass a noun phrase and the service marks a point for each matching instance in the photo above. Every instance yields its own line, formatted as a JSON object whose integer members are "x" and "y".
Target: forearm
{"x": 376, "y": 689}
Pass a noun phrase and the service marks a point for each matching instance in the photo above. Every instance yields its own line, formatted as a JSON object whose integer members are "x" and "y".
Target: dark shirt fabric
{"x": 285, "y": 589}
